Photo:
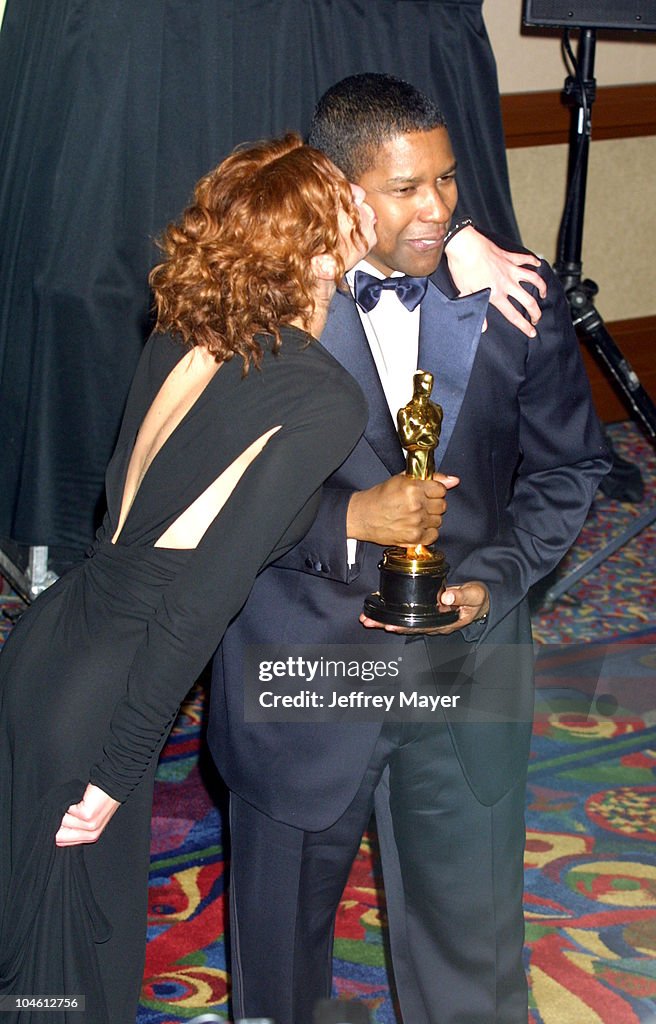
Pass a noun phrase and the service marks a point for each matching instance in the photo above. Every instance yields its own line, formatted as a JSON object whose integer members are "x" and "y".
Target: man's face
{"x": 412, "y": 190}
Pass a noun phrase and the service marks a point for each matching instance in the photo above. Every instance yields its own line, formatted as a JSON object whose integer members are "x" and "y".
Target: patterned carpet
{"x": 591, "y": 854}
{"x": 591, "y": 817}
{"x": 590, "y": 860}
{"x": 619, "y": 598}
{"x": 591, "y": 845}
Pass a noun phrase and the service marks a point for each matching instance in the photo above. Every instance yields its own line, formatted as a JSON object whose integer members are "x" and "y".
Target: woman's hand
{"x": 86, "y": 821}
{"x": 475, "y": 262}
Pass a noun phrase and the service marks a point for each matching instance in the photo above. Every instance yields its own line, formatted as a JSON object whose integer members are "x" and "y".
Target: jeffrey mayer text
{"x": 358, "y": 699}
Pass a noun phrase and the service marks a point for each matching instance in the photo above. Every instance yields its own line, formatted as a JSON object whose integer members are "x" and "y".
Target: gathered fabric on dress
{"x": 93, "y": 674}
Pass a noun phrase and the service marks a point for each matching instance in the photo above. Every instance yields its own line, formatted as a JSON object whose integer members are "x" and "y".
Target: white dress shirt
{"x": 393, "y": 335}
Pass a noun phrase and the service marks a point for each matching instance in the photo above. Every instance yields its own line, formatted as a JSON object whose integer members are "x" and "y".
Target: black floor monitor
{"x": 637, "y": 15}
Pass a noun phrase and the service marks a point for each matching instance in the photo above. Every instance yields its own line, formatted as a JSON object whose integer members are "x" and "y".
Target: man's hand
{"x": 475, "y": 262}
{"x": 86, "y": 821}
{"x": 471, "y": 599}
{"x": 401, "y": 510}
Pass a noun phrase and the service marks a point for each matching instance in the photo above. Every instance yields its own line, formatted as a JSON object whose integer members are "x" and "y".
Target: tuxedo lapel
{"x": 344, "y": 338}
{"x": 449, "y": 333}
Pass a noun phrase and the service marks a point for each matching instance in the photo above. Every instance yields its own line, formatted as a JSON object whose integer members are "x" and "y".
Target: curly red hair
{"x": 238, "y": 260}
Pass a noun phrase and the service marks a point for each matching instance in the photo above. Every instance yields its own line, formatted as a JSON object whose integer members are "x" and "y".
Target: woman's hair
{"x": 238, "y": 260}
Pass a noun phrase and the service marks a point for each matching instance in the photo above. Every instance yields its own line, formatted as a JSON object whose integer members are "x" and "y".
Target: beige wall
{"x": 532, "y": 61}
{"x": 620, "y": 217}
{"x": 619, "y": 251}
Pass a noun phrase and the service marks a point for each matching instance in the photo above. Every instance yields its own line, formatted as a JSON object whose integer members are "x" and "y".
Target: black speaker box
{"x": 618, "y": 14}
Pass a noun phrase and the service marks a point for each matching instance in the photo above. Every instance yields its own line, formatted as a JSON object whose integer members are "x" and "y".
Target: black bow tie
{"x": 410, "y": 290}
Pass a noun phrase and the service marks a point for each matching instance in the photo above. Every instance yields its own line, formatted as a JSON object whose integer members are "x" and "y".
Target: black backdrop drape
{"x": 110, "y": 110}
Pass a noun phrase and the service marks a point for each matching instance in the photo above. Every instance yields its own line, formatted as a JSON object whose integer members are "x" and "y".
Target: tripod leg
{"x": 586, "y": 567}
{"x": 588, "y": 322}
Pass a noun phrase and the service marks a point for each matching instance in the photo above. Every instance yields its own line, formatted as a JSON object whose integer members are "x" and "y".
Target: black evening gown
{"x": 93, "y": 674}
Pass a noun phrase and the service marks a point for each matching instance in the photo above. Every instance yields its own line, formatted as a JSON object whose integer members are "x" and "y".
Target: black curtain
{"x": 109, "y": 112}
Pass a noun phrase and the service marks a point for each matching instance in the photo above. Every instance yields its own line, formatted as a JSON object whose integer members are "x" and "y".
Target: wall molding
{"x": 541, "y": 118}
{"x": 636, "y": 339}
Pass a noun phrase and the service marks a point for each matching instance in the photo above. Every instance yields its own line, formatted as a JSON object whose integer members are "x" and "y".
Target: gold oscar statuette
{"x": 411, "y": 578}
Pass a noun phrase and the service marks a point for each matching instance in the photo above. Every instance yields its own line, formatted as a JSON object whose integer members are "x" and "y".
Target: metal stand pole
{"x": 580, "y": 88}
{"x": 30, "y": 581}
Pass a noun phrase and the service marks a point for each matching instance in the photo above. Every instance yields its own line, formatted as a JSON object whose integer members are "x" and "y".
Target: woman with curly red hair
{"x": 216, "y": 473}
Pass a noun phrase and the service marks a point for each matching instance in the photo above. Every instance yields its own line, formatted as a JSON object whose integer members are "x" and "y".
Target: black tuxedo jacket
{"x": 520, "y": 432}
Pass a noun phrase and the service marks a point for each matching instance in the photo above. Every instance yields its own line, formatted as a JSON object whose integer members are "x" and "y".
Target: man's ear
{"x": 324, "y": 267}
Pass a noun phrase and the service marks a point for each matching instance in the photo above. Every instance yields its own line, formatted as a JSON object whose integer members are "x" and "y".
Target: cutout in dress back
{"x": 187, "y": 531}
{"x": 179, "y": 393}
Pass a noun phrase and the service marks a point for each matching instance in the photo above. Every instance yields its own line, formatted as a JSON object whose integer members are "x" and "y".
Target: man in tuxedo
{"x": 520, "y": 457}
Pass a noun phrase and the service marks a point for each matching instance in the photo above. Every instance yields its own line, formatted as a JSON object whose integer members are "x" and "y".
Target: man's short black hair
{"x": 356, "y": 116}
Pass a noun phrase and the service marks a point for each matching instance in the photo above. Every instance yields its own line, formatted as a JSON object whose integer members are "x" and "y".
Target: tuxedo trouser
{"x": 453, "y": 873}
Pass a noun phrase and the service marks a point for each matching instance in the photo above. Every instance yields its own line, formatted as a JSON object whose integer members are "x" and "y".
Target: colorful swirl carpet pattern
{"x": 590, "y": 860}
{"x": 618, "y": 598}
{"x": 591, "y": 818}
